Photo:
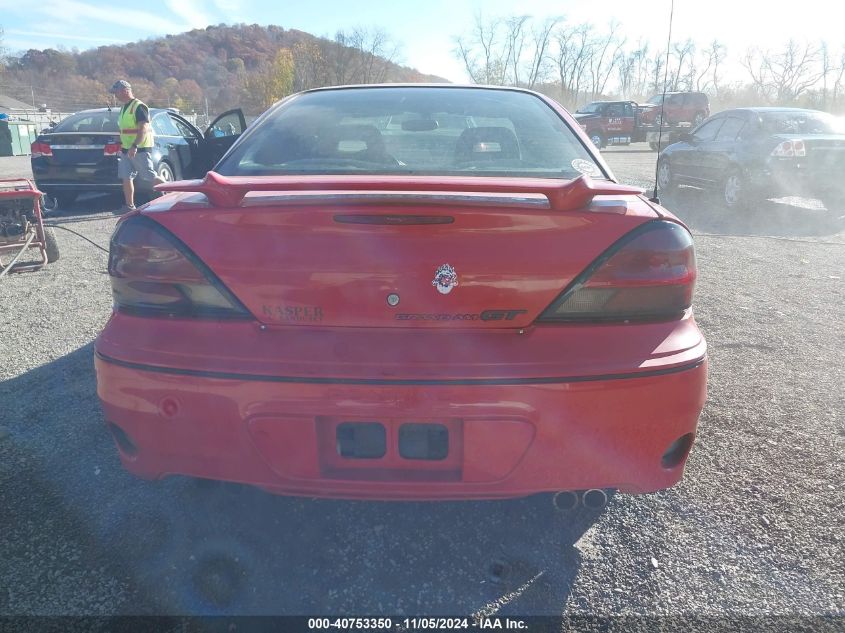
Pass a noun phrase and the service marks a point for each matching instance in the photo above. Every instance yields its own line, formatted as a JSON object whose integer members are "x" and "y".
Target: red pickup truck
{"x": 613, "y": 122}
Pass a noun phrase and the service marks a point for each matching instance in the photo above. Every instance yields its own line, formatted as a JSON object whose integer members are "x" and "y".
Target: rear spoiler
{"x": 567, "y": 195}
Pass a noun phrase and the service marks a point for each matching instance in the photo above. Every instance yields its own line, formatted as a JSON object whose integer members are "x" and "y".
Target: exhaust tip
{"x": 677, "y": 451}
{"x": 565, "y": 500}
{"x": 123, "y": 441}
{"x": 594, "y": 499}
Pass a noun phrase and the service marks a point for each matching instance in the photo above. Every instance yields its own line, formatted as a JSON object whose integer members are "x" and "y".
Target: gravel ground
{"x": 754, "y": 529}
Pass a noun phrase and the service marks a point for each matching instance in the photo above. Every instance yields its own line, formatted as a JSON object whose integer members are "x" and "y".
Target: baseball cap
{"x": 120, "y": 84}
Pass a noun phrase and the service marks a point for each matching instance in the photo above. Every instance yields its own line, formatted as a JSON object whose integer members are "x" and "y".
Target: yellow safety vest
{"x": 128, "y": 125}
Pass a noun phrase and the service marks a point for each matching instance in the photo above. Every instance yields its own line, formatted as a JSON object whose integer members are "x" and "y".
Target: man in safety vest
{"x": 136, "y": 143}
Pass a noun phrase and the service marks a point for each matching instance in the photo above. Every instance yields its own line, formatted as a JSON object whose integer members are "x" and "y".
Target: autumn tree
{"x": 359, "y": 56}
{"x": 235, "y": 65}
{"x": 480, "y": 52}
{"x": 541, "y": 39}
{"x": 507, "y": 51}
{"x": 708, "y": 78}
{"x": 658, "y": 75}
{"x": 838, "y": 82}
{"x": 682, "y": 66}
{"x": 605, "y": 54}
{"x": 783, "y": 76}
{"x": 271, "y": 83}
{"x": 632, "y": 71}
{"x": 574, "y": 49}
{"x": 2, "y": 51}
{"x": 310, "y": 66}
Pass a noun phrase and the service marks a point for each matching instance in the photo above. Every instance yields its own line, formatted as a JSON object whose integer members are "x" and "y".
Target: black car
{"x": 751, "y": 154}
{"x": 79, "y": 155}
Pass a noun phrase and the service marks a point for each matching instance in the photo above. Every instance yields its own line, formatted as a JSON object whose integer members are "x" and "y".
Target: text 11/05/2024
{"x": 417, "y": 624}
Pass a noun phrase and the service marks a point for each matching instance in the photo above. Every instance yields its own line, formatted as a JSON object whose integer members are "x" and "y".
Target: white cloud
{"x": 228, "y": 6}
{"x": 76, "y": 15}
{"x": 63, "y": 36}
{"x": 232, "y": 11}
{"x": 190, "y": 11}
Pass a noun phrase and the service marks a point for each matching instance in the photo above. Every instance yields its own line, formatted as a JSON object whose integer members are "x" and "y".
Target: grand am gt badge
{"x": 445, "y": 279}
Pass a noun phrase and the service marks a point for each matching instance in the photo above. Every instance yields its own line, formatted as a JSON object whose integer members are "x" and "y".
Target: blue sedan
{"x": 751, "y": 154}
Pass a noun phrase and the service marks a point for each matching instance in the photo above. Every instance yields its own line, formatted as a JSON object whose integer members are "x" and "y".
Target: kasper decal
{"x": 294, "y": 314}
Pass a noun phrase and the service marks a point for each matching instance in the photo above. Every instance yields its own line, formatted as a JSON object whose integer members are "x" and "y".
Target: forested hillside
{"x": 215, "y": 68}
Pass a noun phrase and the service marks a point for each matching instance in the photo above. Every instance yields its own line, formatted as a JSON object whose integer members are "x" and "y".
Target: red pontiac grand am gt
{"x": 405, "y": 292}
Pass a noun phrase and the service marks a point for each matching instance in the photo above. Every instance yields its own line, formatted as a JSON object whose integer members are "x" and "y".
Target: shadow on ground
{"x": 186, "y": 546}
{"x": 97, "y": 203}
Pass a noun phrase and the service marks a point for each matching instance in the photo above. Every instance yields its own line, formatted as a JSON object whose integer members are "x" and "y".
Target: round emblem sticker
{"x": 585, "y": 167}
{"x": 445, "y": 278}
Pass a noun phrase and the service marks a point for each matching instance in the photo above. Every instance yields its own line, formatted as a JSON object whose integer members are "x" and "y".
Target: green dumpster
{"x": 5, "y": 139}
{"x": 16, "y": 137}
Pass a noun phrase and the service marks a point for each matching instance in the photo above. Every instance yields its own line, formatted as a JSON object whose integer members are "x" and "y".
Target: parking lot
{"x": 754, "y": 529}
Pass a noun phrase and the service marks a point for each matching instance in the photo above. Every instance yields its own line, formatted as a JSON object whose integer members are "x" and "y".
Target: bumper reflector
{"x": 423, "y": 441}
{"x": 361, "y": 440}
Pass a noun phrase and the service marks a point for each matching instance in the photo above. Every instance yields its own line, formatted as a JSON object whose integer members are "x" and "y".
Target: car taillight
{"x": 153, "y": 273}
{"x": 789, "y": 149}
{"x": 111, "y": 149}
{"x": 39, "y": 149}
{"x": 647, "y": 275}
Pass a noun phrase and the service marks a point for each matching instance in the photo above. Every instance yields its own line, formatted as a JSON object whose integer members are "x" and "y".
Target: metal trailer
{"x": 668, "y": 135}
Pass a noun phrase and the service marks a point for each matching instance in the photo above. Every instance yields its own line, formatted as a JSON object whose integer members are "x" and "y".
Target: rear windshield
{"x": 424, "y": 131}
{"x": 589, "y": 108}
{"x": 801, "y": 123}
{"x": 89, "y": 122}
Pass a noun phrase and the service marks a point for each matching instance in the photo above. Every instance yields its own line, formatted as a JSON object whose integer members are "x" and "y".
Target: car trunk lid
{"x": 401, "y": 252}
{"x": 78, "y": 148}
{"x": 825, "y": 154}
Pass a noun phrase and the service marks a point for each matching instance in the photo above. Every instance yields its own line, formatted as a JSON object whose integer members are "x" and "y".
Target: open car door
{"x": 222, "y": 133}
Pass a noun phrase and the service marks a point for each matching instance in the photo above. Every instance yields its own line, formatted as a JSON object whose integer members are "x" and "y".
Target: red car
{"x": 678, "y": 108}
{"x": 612, "y": 122}
{"x": 405, "y": 292}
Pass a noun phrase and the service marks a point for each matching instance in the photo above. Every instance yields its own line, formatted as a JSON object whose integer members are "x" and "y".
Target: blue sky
{"x": 424, "y": 28}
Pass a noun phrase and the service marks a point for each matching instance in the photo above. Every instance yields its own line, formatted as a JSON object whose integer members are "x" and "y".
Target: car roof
{"x": 418, "y": 86}
{"x": 91, "y": 111}
{"x": 423, "y": 85}
{"x": 764, "y": 109}
{"x": 116, "y": 109}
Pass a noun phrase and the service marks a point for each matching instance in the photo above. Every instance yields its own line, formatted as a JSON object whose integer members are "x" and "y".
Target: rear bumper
{"x": 788, "y": 180}
{"x": 99, "y": 176}
{"x": 507, "y": 437}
